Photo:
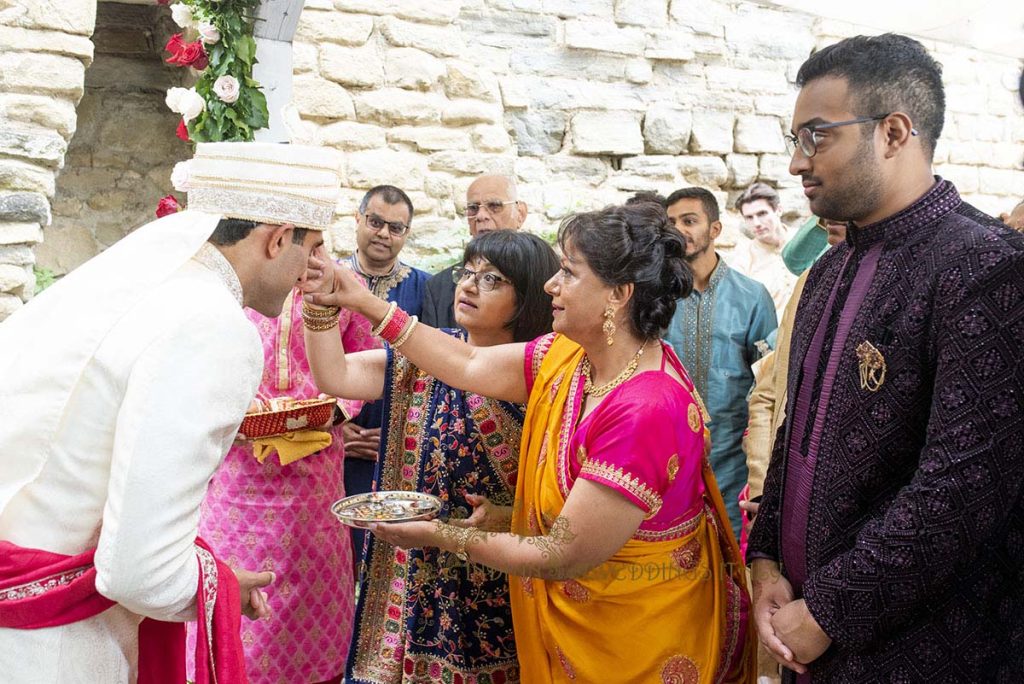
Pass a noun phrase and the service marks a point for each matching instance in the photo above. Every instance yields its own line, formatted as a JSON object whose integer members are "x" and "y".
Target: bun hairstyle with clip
{"x": 635, "y": 244}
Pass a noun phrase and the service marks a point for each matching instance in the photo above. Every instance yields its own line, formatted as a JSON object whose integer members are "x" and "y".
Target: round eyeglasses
{"x": 484, "y": 281}
{"x": 807, "y": 138}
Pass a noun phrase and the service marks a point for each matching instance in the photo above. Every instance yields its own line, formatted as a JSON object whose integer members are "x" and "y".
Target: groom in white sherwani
{"x": 123, "y": 386}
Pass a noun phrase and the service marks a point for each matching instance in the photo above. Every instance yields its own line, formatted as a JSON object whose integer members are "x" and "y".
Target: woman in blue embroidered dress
{"x": 422, "y": 614}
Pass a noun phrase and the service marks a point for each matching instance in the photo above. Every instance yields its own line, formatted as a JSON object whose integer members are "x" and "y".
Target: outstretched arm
{"x": 495, "y": 372}
{"x": 352, "y": 376}
{"x": 596, "y": 522}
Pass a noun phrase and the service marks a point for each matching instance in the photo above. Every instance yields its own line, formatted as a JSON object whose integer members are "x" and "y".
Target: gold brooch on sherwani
{"x": 872, "y": 366}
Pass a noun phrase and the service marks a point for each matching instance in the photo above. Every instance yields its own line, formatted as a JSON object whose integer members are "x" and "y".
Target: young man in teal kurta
{"x": 718, "y": 332}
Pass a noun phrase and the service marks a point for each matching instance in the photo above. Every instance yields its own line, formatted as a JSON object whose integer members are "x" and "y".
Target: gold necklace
{"x": 626, "y": 374}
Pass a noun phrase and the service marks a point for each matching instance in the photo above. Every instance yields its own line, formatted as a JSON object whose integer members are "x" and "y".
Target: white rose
{"x": 182, "y": 15}
{"x": 180, "y": 176}
{"x": 208, "y": 33}
{"x": 226, "y": 88}
{"x": 173, "y": 99}
{"x": 191, "y": 104}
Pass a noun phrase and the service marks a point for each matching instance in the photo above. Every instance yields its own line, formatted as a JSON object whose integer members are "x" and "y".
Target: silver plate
{"x": 360, "y": 510}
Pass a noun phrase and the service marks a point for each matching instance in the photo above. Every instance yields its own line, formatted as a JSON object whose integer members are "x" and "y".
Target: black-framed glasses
{"x": 484, "y": 281}
{"x": 396, "y": 228}
{"x": 807, "y": 137}
{"x": 492, "y": 206}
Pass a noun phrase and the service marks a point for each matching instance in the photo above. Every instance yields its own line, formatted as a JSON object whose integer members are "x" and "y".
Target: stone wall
{"x": 45, "y": 51}
{"x": 587, "y": 101}
{"x": 119, "y": 161}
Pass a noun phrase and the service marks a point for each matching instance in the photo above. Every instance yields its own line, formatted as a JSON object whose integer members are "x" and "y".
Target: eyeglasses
{"x": 485, "y": 281}
{"x": 493, "y": 207}
{"x": 396, "y": 228}
{"x": 807, "y": 138}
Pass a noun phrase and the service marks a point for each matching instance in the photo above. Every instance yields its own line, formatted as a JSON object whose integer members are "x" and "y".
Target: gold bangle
{"x": 314, "y": 311}
{"x": 387, "y": 319}
{"x": 320, "y": 324}
{"x": 405, "y": 333}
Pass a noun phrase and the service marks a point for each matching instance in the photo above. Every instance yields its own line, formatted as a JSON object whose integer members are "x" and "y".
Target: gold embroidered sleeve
{"x": 616, "y": 478}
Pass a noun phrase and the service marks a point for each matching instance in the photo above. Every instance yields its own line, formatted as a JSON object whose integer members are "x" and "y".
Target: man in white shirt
{"x": 761, "y": 257}
{"x": 123, "y": 387}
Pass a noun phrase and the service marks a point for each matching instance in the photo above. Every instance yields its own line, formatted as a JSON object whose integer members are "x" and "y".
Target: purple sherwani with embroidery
{"x": 895, "y": 503}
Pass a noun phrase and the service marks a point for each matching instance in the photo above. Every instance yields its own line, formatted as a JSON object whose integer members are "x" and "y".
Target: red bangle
{"x": 395, "y": 326}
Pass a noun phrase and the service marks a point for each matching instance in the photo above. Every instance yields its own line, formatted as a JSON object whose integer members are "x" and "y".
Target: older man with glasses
{"x": 383, "y": 222}
{"x": 492, "y": 203}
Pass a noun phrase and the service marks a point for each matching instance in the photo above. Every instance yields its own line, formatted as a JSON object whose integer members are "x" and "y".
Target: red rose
{"x": 174, "y": 45}
{"x": 182, "y": 131}
{"x": 163, "y": 2}
{"x": 167, "y": 205}
{"x": 186, "y": 54}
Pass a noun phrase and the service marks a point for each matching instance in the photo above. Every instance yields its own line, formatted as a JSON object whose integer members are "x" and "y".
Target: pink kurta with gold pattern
{"x": 272, "y": 517}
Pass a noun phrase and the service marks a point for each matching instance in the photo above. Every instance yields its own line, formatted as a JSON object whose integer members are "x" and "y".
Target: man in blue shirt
{"x": 383, "y": 222}
{"x": 719, "y": 331}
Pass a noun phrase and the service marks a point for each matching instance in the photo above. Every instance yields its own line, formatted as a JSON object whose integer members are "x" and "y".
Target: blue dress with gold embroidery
{"x": 422, "y": 614}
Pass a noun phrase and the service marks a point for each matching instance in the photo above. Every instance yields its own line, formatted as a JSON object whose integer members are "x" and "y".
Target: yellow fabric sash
{"x": 666, "y": 610}
{"x": 292, "y": 446}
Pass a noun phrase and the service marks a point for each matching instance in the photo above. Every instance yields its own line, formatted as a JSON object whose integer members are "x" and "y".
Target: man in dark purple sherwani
{"x": 889, "y": 545}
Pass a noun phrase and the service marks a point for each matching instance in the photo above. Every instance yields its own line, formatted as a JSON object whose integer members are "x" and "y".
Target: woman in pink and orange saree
{"x": 617, "y": 536}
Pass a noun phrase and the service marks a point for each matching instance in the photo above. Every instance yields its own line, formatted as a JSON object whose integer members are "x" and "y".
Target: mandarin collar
{"x": 211, "y": 257}
{"x": 941, "y": 200}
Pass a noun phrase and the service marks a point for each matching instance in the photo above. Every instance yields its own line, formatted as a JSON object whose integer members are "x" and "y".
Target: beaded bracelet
{"x": 376, "y": 330}
{"x": 405, "y": 335}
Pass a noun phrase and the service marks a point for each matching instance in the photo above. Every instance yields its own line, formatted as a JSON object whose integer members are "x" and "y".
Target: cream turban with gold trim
{"x": 264, "y": 182}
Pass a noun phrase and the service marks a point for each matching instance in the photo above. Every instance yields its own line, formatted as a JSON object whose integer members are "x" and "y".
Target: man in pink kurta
{"x": 279, "y": 517}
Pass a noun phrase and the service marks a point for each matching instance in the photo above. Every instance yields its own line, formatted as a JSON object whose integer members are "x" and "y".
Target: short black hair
{"x": 391, "y": 196}
{"x": 886, "y": 73}
{"x": 528, "y": 262}
{"x": 646, "y": 196}
{"x": 635, "y": 244}
{"x": 708, "y": 200}
{"x": 758, "y": 191}
{"x": 231, "y": 230}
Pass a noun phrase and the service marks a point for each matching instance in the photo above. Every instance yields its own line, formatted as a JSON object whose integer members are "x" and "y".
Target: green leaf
{"x": 216, "y": 52}
{"x": 258, "y": 115}
{"x": 245, "y": 49}
{"x": 44, "y": 278}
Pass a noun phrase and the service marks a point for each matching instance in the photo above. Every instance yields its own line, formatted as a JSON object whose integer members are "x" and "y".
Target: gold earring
{"x": 609, "y": 325}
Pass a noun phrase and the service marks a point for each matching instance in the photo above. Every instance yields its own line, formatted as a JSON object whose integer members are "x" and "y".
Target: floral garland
{"x": 226, "y": 103}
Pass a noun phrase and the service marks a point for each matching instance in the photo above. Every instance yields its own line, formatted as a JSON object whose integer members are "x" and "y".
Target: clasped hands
{"x": 784, "y": 625}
